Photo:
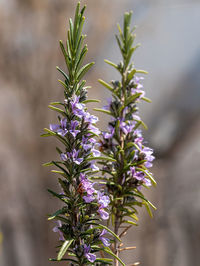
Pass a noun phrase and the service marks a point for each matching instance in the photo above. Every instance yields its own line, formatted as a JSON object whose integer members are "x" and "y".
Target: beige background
{"x": 29, "y": 35}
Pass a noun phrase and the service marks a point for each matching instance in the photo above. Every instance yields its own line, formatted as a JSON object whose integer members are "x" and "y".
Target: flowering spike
{"x": 83, "y": 201}
{"x": 129, "y": 173}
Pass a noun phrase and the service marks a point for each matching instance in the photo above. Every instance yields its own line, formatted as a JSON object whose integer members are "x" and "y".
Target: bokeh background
{"x": 29, "y": 51}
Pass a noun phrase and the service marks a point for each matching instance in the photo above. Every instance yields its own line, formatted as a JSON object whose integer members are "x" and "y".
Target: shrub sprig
{"x": 79, "y": 222}
{"x": 123, "y": 140}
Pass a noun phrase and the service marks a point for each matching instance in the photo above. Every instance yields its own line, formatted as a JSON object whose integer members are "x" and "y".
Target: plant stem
{"x": 116, "y": 230}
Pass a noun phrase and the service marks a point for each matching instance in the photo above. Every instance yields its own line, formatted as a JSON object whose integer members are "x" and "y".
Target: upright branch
{"x": 123, "y": 142}
{"x": 84, "y": 205}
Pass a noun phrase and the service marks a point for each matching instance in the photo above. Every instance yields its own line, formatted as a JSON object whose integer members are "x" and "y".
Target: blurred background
{"x": 170, "y": 36}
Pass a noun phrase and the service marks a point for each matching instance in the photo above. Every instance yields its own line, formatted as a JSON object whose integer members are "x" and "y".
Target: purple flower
{"x": 63, "y": 157}
{"x": 104, "y": 215}
{"x": 77, "y": 108}
{"x": 103, "y": 200}
{"x": 95, "y": 152}
{"x": 73, "y": 129}
{"x": 147, "y": 182}
{"x": 127, "y": 127}
{"x": 93, "y": 141}
{"x": 88, "y": 188}
{"x": 93, "y": 166}
{"x": 85, "y": 143}
{"x": 74, "y": 102}
{"x": 60, "y": 129}
{"x": 57, "y": 229}
{"x": 140, "y": 176}
{"x": 94, "y": 129}
{"x": 89, "y": 198}
{"x": 87, "y": 185}
{"x": 90, "y": 118}
{"x": 107, "y": 107}
{"x": 109, "y": 135}
{"x": 90, "y": 256}
{"x": 138, "y": 133}
{"x": 105, "y": 241}
{"x": 137, "y": 80}
{"x": 74, "y": 156}
{"x": 146, "y": 152}
{"x": 71, "y": 155}
{"x": 139, "y": 87}
{"x": 54, "y": 127}
{"x": 137, "y": 175}
{"x": 138, "y": 141}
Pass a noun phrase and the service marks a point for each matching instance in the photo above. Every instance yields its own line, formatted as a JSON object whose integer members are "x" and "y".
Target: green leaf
{"x": 131, "y": 74}
{"x": 146, "y": 99}
{"x": 76, "y": 20}
{"x": 148, "y": 209}
{"x": 61, "y": 211}
{"x": 56, "y": 195}
{"x": 148, "y": 174}
{"x": 45, "y": 135}
{"x": 143, "y": 124}
{"x": 78, "y": 35}
{"x": 84, "y": 70}
{"x": 91, "y": 101}
{"x": 56, "y": 103}
{"x": 120, "y": 32}
{"x": 130, "y": 41}
{"x": 80, "y": 58}
{"x": 60, "y": 173}
{"x": 72, "y": 260}
{"x": 129, "y": 145}
{"x": 67, "y": 59}
{"x": 50, "y": 132}
{"x": 64, "y": 84}
{"x": 134, "y": 216}
{"x": 60, "y": 167}
{"x": 142, "y": 197}
{"x": 64, "y": 248}
{"x": 100, "y": 158}
{"x": 71, "y": 31}
{"x": 109, "y": 251}
{"x": 119, "y": 44}
{"x": 132, "y": 98}
{"x": 112, "y": 64}
{"x": 57, "y": 172}
{"x": 105, "y": 84}
{"x": 130, "y": 222}
{"x": 104, "y": 260}
{"x": 107, "y": 229}
{"x": 142, "y": 71}
{"x": 129, "y": 55}
{"x": 63, "y": 73}
{"x": 103, "y": 111}
{"x": 47, "y": 164}
{"x": 57, "y": 110}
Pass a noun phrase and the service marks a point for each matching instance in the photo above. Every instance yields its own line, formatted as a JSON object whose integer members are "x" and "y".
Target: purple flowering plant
{"x": 129, "y": 173}
{"x": 82, "y": 236}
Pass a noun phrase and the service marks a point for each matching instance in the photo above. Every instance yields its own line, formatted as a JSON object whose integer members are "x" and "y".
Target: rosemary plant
{"x": 123, "y": 142}
{"x": 84, "y": 205}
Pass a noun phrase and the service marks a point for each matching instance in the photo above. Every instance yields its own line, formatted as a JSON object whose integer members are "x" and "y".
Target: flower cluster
{"x": 106, "y": 242}
{"x": 92, "y": 194}
{"x": 78, "y": 130}
{"x": 124, "y": 128}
